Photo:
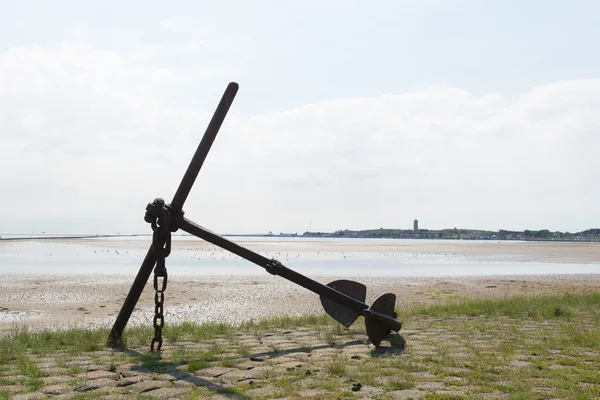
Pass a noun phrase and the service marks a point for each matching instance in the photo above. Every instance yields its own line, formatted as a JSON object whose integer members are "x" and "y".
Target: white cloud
{"x": 90, "y": 136}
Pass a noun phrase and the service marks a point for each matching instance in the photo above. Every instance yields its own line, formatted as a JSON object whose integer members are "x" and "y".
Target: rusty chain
{"x": 159, "y": 217}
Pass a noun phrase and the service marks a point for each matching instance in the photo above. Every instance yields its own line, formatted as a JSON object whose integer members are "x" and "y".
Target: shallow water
{"x": 333, "y": 257}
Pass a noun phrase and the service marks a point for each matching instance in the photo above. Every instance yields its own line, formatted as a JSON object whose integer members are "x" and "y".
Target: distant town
{"x": 589, "y": 235}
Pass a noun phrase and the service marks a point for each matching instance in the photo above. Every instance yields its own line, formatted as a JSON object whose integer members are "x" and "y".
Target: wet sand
{"x": 489, "y": 250}
{"x": 45, "y": 301}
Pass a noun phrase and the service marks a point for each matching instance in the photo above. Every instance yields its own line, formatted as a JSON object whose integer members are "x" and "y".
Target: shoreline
{"x": 286, "y": 238}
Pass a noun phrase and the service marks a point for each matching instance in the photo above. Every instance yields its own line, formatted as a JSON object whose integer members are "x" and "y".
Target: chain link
{"x": 159, "y": 217}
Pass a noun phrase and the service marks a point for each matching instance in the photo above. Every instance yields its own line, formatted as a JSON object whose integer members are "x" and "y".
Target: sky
{"x": 350, "y": 114}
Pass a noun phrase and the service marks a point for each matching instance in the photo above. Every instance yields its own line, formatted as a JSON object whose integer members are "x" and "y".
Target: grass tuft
{"x": 336, "y": 367}
{"x": 289, "y": 322}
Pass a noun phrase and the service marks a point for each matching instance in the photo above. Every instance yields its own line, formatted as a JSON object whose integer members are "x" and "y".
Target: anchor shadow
{"x": 396, "y": 346}
{"x": 153, "y": 362}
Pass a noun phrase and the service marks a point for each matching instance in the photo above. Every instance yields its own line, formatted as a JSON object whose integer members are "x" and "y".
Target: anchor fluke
{"x": 380, "y": 318}
{"x": 341, "y": 314}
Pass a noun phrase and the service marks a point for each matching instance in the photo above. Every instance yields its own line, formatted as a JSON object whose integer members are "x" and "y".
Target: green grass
{"x": 537, "y": 308}
{"x": 400, "y": 384}
{"x": 290, "y": 322}
{"x": 336, "y": 367}
{"x": 48, "y": 342}
{"x": 197, "y": 365}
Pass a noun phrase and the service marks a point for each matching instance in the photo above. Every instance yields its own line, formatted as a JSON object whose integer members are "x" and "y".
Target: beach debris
{"x": 343, "y": 300}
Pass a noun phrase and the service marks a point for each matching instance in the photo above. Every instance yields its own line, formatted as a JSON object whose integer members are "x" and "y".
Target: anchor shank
{"x": 275, "y": 268}
{"x": 204, "y": 147}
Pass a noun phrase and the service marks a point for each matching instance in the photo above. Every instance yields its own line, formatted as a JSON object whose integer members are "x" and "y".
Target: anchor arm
{"x": 276, "y": 268}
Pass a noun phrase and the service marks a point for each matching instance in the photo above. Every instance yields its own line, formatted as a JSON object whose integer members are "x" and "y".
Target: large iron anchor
{"x": 343, "y": 300}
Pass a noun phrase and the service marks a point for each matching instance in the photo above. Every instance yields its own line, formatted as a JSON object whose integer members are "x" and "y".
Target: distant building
{"x": 416, "y": 225}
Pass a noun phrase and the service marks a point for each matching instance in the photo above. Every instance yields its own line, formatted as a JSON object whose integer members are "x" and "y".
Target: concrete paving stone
{"x": 288, "y": 346}
{"x": 29, "y": 396}
{"x": 128, "y": 381}
{"x": 249, "y": 343}
{"x": 186, "y": 343}
{"x": 165, "y": 377}
{"x": 146, "y": 386}
{"x": 98, "y": 374}
{"x": 519, "y": 364}
{"x": 407, "y": 394}
{"x": 289, "y": 366}
{"x": 214, "y": 372}
{"x": 322, "y": 355}
{"x": 431, "y": 386}
{"x": 318, "y": 345}
{"x": 46, "y": 365}
{"x": 167, "y": 393}
{"x": 248, "y": 364}
{"x": 260, "y": 349}
{"x": 280, "y": 360}
{"x": 67, "y": 396}
{"x": 12, "y": 388}
{"x": 53, "y": 380}
{"x": 4, "y": 371}
{"x": 53, "y": 371}
{"x": 182, "y": 383}
{"x": 56, "y": 389}
{"x": 93, "y": 384}
{"x": 95, "y": 367}
{"x": 100, "y": 353}
{"x": 227, "y": 396}
{"x": 259, "y": 356}
{"x": 266, "y": 390}
{"x": 239, "y": 374}
{"x": 126, "y": 372}
{"x": 318, "y": 393}
{"x": 325, "y": 350}
{"x": 367, "y": 390}
{"x": 252, "y": 382}
{"x": 458, "y": 371}
{"x": 78, "y": 363}
{"x": 176, "y": 374}
{"x": 298, "y": 355}
{"x": 15, "y": 378}
{"x": 42, "y": 360}
{"x": 308, "y": 382}
{"x": 276, "y": 341}
{"x": 81, "y": 358}
{"x": 109, "y": 390}
{"x": 114, "y": 396}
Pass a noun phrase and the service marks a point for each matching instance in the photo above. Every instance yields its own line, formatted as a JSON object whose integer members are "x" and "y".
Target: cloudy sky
{"x": 350, "y": 114}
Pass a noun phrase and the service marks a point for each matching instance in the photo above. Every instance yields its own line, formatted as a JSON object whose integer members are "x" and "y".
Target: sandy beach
{"x": 39, "y": 301}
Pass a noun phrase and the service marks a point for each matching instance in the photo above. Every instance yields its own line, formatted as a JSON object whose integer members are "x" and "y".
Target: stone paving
{"x": 432, "y": 359}
{"x": 137, "y": 373}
